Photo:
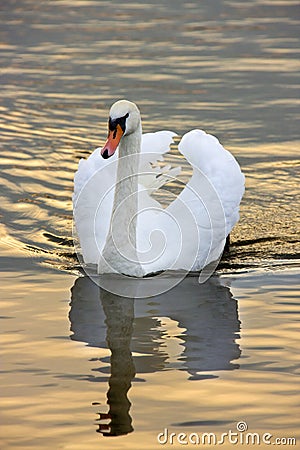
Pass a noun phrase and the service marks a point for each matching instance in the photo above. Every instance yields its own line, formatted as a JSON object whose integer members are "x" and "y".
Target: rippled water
{"x": 202, "y": 358}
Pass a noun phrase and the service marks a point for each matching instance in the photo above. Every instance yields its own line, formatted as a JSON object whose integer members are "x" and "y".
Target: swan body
{"x": 123, "y": 229}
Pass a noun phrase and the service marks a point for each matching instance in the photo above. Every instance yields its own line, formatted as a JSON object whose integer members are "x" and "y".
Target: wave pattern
{"x": 228, "y": 67}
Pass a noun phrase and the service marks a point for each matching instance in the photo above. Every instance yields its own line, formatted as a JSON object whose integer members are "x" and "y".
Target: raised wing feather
{"x": 205, "y": 153}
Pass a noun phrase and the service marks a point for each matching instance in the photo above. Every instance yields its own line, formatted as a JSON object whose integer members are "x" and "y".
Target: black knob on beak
{"x": 105, "y": 154}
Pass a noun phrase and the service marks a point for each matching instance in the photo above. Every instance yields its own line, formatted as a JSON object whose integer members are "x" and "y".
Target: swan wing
{"x": 207, "y": 155}
{"x": 94, "y": 185}
{"x": 208, "y": 207}
{"x": 153, "y": 174}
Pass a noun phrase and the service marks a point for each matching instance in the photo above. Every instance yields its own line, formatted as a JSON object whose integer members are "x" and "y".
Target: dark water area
{"x": 197, "y": 358}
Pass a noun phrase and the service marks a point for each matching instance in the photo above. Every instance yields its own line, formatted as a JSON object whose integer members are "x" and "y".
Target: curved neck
{"x": 120, "y": 246}
{"x": 127, "y": 171}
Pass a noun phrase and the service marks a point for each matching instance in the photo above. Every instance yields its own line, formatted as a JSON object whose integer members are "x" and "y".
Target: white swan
{"x": 122, "y": 229}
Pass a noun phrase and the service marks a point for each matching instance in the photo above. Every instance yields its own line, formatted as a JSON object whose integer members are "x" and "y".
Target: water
{"x": 196, "y": 359}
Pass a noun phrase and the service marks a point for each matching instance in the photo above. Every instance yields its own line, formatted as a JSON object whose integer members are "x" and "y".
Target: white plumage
{"x": 143, "y": 237}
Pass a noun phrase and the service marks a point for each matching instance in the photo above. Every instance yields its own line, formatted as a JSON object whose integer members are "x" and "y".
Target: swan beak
{"x": 112, "y": 142}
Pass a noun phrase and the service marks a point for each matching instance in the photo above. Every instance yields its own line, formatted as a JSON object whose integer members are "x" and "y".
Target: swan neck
{"x": 120, "y": 247}
{"x": 127, "y": 172}
{"x": 131, "y": 143}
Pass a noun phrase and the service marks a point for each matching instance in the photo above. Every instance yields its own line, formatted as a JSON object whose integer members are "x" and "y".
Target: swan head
{"x": 124, "y": 119}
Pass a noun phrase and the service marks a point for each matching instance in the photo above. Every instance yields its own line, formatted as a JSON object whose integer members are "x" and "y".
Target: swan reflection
{"x": 192, "y": 328}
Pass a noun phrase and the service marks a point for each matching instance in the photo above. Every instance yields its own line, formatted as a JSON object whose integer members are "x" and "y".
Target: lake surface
{"x": 80, "y": 364}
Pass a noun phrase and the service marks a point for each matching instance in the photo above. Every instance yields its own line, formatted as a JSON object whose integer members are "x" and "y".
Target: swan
{"x": 122, "y": 228}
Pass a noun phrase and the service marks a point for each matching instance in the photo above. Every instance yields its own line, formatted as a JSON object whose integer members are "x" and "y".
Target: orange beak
{"x": 112, "y": 142}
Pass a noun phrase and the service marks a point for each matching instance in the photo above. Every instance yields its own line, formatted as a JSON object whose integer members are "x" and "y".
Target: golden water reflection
{"x": 191, "y": 360}
{"x": 192, "y": 328}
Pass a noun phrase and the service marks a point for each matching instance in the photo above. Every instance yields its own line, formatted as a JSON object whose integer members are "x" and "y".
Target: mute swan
{"x": 122, "y": 229}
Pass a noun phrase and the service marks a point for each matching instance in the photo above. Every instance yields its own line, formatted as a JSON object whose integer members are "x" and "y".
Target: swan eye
{"x": 112, "y": 123}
